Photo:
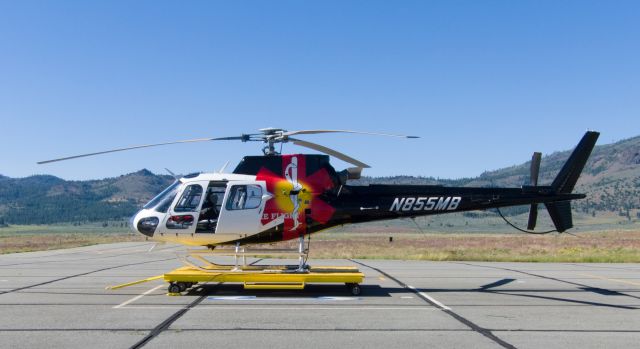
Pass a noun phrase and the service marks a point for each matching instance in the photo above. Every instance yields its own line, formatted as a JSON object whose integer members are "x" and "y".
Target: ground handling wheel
{"x": 174, "y": 288}
{"x": 354, "y": 289}
{"x": 182, "y": 286}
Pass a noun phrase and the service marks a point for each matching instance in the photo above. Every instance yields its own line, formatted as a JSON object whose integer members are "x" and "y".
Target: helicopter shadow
{"x": 311, "y": 291}
{"x": 371, "y": 291}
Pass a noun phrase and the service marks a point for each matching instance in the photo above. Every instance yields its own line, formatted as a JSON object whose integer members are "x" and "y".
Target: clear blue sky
{"x": 484, "y": 83}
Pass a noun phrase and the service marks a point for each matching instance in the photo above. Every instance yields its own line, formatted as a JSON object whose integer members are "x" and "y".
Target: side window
{"x": 244, "y": 197}
{"x": 190, "y": 199}
{"x": 254, "y": 196}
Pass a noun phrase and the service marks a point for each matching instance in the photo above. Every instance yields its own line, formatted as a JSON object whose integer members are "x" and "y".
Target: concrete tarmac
{"x": 58, "y": 299}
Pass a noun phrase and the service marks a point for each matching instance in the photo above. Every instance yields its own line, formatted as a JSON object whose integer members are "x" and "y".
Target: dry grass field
{"x": 41, "y": 242}
{"x": 615, "y": 246}
{"x": 602, "y": 247}
{"x": 26, "y": 238}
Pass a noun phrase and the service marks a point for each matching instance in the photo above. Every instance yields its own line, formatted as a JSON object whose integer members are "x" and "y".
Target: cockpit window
{"x": 244, "y": 197}
{"x": 163, "y": 200}
{"x": 190, "y": 199}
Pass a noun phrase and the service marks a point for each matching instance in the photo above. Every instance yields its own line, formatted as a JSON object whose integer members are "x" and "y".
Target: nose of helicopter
{"x": 144, "y": 224}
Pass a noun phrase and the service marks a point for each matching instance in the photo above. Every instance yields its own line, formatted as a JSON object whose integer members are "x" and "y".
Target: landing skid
{"x": 197, "y": 258}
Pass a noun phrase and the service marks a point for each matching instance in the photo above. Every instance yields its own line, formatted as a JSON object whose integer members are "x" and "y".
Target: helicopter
{"x": 276, "y": 197}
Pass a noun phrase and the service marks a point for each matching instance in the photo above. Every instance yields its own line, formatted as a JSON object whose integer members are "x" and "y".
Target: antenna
{"x": 173, "y": 174}
{"x": 221, "y": 170}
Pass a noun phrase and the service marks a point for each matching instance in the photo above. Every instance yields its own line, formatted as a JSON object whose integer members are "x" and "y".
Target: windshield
{"x": 163, "y": 200}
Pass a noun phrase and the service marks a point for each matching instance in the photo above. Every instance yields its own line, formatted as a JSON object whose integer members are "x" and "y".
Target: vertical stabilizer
{"x": 560, "y": 213}
{"x": 568, "y": 175}
{"x": 566, "y": 180}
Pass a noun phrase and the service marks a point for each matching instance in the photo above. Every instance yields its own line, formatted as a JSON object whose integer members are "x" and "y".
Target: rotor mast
{"x": 271, "y": 137}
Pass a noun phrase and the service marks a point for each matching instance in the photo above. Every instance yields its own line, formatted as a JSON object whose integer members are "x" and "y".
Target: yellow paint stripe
{"x": 135, "y": 282}
{"x": 614, "y": 280}
{"x": 381, "y": 278}
{"x": 136, "y": 297}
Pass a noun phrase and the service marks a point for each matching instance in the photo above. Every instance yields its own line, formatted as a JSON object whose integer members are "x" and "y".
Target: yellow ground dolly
{"x": 266, "y": 277}
{"x": 257, "y": 277}
{"x": 199, "y": 269}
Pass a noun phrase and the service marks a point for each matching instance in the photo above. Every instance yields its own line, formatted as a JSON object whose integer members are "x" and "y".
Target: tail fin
{"x": 568, "y": 176}
{"x": 560, "y": 213}
{"x": 564, "y": 183}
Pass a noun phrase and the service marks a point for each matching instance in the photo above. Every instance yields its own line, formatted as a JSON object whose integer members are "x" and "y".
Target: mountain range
{"x": 611, "y": 181}
{"x": 44, "y": 199}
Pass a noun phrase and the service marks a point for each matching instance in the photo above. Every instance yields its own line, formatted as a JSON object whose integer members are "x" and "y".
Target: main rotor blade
{"x": 309, "y": 132}
{"x": 138, "y": 147}
{"x": 329, "y": 151}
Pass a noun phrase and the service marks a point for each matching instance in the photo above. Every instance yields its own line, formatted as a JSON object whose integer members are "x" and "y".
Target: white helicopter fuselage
{"x": 232, "y": 222}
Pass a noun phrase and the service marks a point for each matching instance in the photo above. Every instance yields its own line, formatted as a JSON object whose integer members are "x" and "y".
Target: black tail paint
{"x": 560, "y": 213}
{"x": 568, "y": 175}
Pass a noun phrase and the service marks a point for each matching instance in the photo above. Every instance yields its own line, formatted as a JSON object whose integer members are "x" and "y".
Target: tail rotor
{"x": 535, "y": 171}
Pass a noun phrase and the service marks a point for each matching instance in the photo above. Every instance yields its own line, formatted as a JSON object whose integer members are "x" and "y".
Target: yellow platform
{"x": 267, "y": 277}
{"x": 258, "y": 277}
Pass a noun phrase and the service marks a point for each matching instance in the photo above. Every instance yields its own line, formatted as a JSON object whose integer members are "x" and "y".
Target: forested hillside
{"x": 46, "y": 199}
{"x": 611, "y": 180}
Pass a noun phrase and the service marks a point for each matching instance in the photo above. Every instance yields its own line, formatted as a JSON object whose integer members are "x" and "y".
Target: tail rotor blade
{"x": 533, "y": 179}
{"x": 535, "y": 168}
{"x": 533, "y": 217}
